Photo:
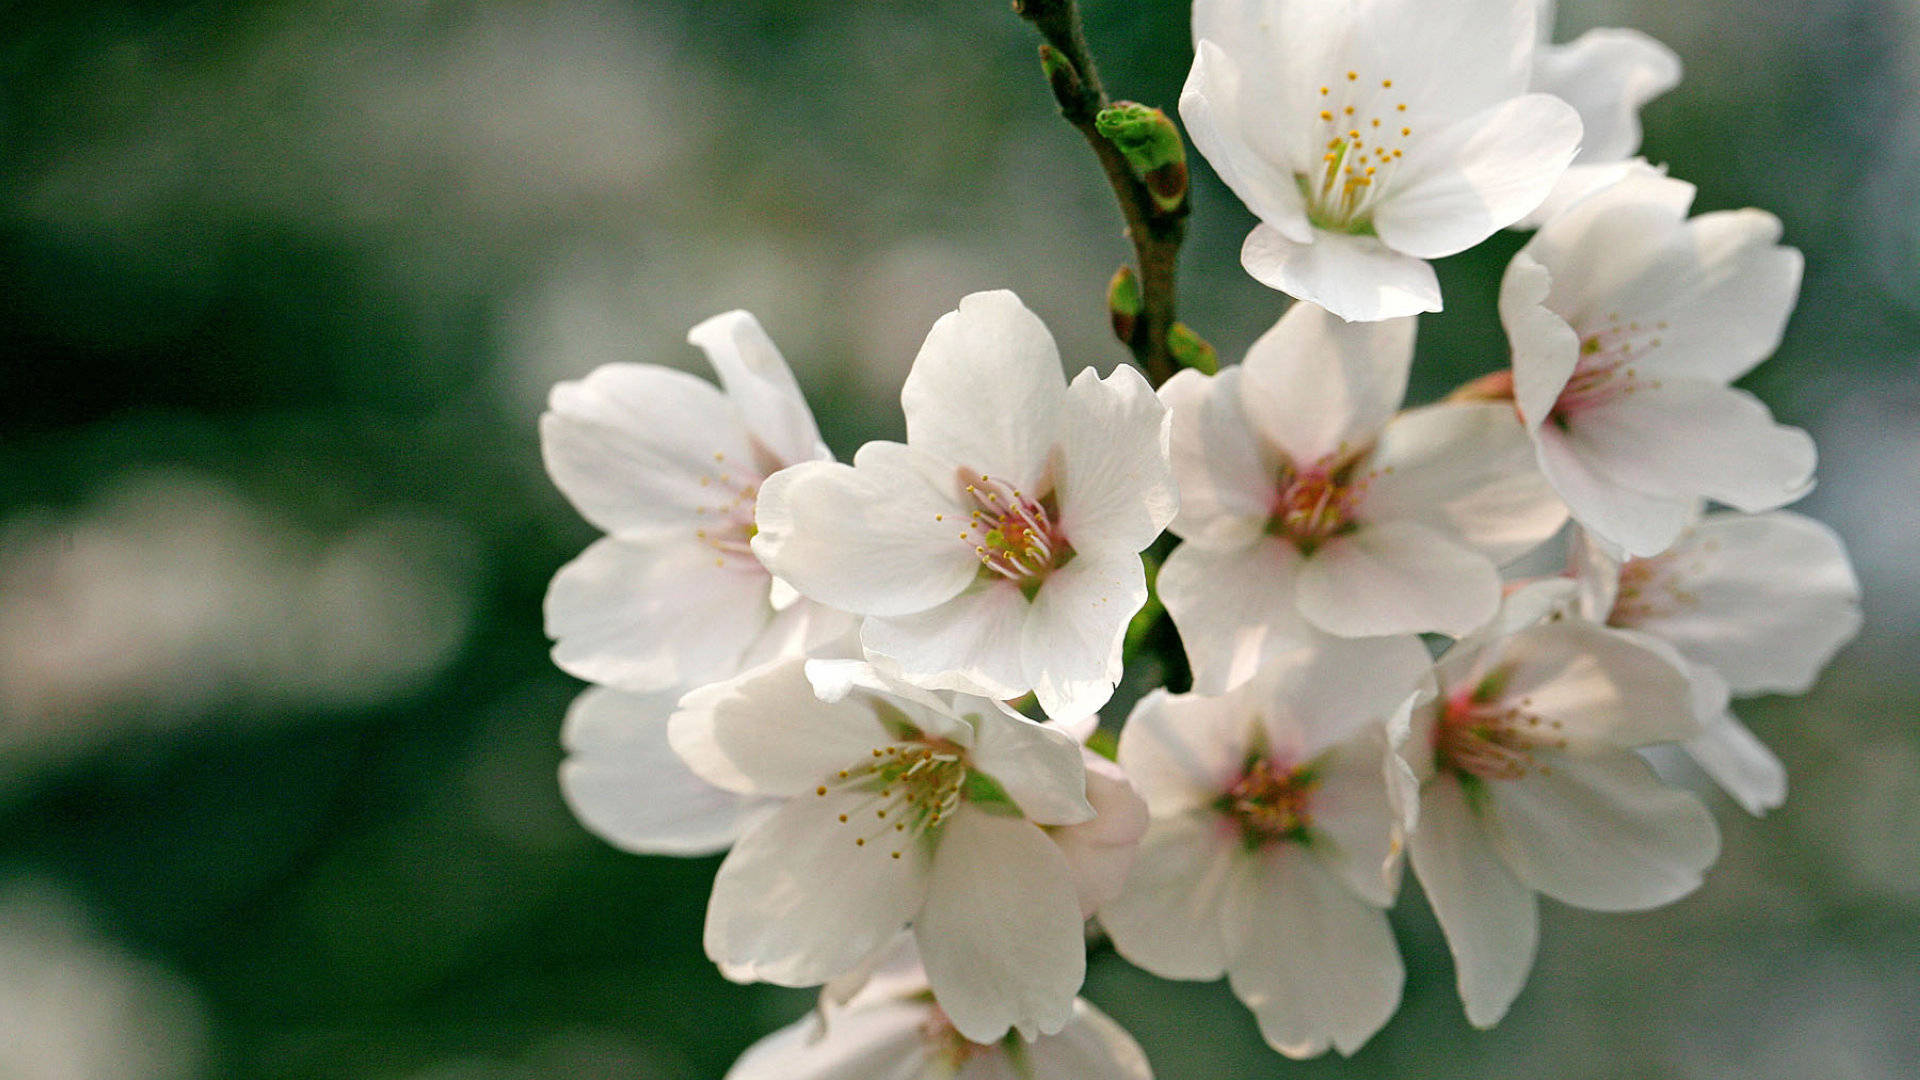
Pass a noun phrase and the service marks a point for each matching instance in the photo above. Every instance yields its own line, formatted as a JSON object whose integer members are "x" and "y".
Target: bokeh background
{"x": 283, "y": 285}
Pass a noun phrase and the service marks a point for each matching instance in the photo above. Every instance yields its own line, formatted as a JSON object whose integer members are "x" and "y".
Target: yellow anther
{"x": 1402, "y": 107}
{"x": 1386, "y": 84}
{"x": 1325, "y": 115}
{"x": 1352, "y": 75}
{"x": 1324, "y": 91}
{"x": 1348, "y": 111}
{"x": 1406, "y": 131}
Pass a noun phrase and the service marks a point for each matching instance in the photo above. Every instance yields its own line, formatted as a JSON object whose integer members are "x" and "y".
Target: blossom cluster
{"x": 873, "y": 683}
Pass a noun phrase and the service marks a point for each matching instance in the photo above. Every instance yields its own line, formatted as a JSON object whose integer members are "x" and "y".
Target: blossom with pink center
{"x": 1755, "y": 604}
{"x": 899, "y": 807}
{"x": 1628, "y": 321}
{"x": 1273, "y": 851}
{"x": 997, "y": 551}
{"x": 1527, "y": 782}
{"x": 1312, "y": 512}
{"x": 1371, "y": 137}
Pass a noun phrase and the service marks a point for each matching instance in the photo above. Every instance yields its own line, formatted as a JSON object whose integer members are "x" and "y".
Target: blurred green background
{"x": 282, "y": 288}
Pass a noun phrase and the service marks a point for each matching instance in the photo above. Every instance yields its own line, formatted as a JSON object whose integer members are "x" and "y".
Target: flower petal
{"x": 1224, "y": 473}
{"x": 879, "y": 537}
{"x": 1396, "y": 577}
{"x": 761, "y": 385}
{"x": 1090, "y": 1047}
{"x": 986, "y": 390}
{"x": 1315, "y": 386}
{"x": 1070, "y": 646}
{"x": 767, "y": 733}
{"x": 1183, "y": 750}
{"x": 880, "y": 1041}
{"x": 1634, "y": 521}
{"x": 1169, "y": 917}
{"x": 1545, "y": 349}
{"x": 1490, "y": 919}
{"x": 1353, "y": 822}
{"x": 1740, "y": 763}
{"x": 1459, "y": 185}
{"x": 1101, "y": 850}
{"x": 1358, "y": 278}
{"x": 625, "y": 784}
{"x": 1316, "y": 964}
{"x": 1039, "y": 766}
{"x": 1001, "y": 933}
{"x": 1116, "y": 480}
{"x": 1607, "y": 74}
{"x": 1466, "y": 469}
{"x": 656, "y": 615}
{"x": 1234, "y": 608}
{"x": 796, "y": 902}
{"x": 1602, "y": 832}
{"x": 1210, "y": 106}
{"x": 969, "y": 643}
{"x": 1597, "y": 687}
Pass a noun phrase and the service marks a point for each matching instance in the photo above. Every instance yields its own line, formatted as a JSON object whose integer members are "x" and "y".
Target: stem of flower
{"x": 1156, "y": 231}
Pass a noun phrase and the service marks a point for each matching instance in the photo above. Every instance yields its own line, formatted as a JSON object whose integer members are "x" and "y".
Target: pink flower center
{"x": 1271, "y": 802}
{"x": 1605, "y": 371}
{"x": 1014, "y": 535}
{"x": 1481, "y": 734}
{"x": 1365, "y": 129}
{"x": 1318, "y": 502}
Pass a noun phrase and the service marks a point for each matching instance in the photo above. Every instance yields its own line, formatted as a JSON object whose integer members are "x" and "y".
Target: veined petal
{"x": 1477, "y": 54}
{"x": 1316, "y": 964}
{"x": 1314, "y": 385}
{"x": 1638, "y": 522}
{"x": 1459, "y": 185}
{"x": 970, "y": 643}
{"x": 1468, "y": 470}
{"x": 1101, "y": 850}
{"x": 761, "y": 385}
{"x": 1607, "y": 74}
{"x": 1169, "y": 918}
{"x": 1545, "y": 349}
{"x": 986, "y": 390}
{"x": 1040, "y": 767}
{"x": 649, "y": 616}
{"x": 796, "y": 902}
{"x": 1234, "y": 608}
{"x": 876, "y": 538}
{"x": 1740, "y": 763}
{"x": 1605, "y": 242}
{"x": 1225, "y": 474}
{"x": 1353, "y": 823}
{"x": 625, "y": 784}
{"x": 1358, "y": 278}
{"x": 1602, "y": 832}
{"x": 1116, "y": 479}
{"x": 1490, "y": 919}
{"x": 1582, "y": 181}
{"x": 1000, "y": 934}
{"x": 631, "y": 444}
{"x": 1396, "y": 577}
{"x": 1070, "y": 646}
{"x": 1598, "y": 687}
{"x": 1210, "y": 106}
{"x": 1183, "y": 750}
{"x": 1315, "y": 698}
{"x": 773, "y": 733}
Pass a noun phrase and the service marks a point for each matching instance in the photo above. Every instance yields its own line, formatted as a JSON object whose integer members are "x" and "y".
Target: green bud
{"x": 1124, "y": 303}
{"x": 1065, "y": 81}
{"x": 1152, "y": 146}
{"x": 1191, "y": 350}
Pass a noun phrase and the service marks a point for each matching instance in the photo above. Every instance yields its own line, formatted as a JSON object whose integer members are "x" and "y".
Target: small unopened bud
{"x": 1191, "y": 350}
{"x": 1152, "y": 146}
{"x": 1124, "y": 303}
{"x": 1065, "y": 81}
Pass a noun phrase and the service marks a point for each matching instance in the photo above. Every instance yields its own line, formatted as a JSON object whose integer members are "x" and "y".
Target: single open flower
{"x": 898, "y": 807}
{"x": 1628, "y": 321}
{"x": 670, "y": 467}
{"x": 1370, "y": 138}
{"x": 1306, "y": 500}
{"x": 997, "y": 551}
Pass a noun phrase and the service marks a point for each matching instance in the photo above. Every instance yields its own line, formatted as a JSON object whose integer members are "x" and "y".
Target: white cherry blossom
{"x": 1528, "y": 783}
{"x": 669, "y": 466}
{"x": 1756, "y": 604}
{"x": 1273, "y": 852}
{"x": 894, "y": 1029}
{"x": 1370, "y": 137}
{"x": 1628, "y": 321}
{"x": 997, "y": 551}
{"x": 1310, "y": 509}
{"x": 898, "y": 807}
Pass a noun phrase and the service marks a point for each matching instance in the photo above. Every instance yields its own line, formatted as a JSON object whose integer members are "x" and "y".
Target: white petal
{"x": 1596, "y": 686}
{"x": 1545, "y": 349}
{"x": 1582, "y": 181}
{"x": 1224, "y": 473}
{"x": 1101, "y": 851}
{"x": 1740, "y": 763}
{"x": 1457, "y": 186}
{"x": 1765, "y": 600}
{"x": 630, "y": 444}
{"x": 882, "y": 1041}
{"x": 1607, "y": 74}
{"x": 1634, "y": 521}
{"x": 1183, "y": 750}
{"x": 1116, "y": 481}
{"x": 1234, "y": 608}
{"x": 878, "y": 537}
{"x": 1602, "y": 832}
{"x": 625, "y": 784}
{"x": 661, "y": 614}
{"x": 1315, "y": 963}
{"x": 970, "y": 643}
{"x": 1396, "y": 577}
{"x": 1357, "y": 278}
{"x": 1477, "y": 54}
{"x": 1468, "y": 470}
{"x": 1090, "y": 1047}
{"x": 1314, "y": 385}
{"x": 771, "y": 734}
{"x": 1070, "y": 646}
{"x": 1490, "y": 918}
{"x": 796, "y": 902}
{"x": 1001, "y": 935}
{"x": 1604, "y": 243}
{"x": 1039, "y": 766}
{"x": 1169, "y": 917}
{"x": 986, "y": 390}
{"x": 1210, "y": 105}
{"x": 761, "y": 385}
{"x": 1317, "y": 697}
{"x": 1353, "y": 823}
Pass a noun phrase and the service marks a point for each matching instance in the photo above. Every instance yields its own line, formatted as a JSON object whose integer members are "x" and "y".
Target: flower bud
{"x": 1152, "y": 146}
{"x": 1124, "y": 303}
{"x": 1191, "y": 350}
{"x": 1065, "y": 81}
